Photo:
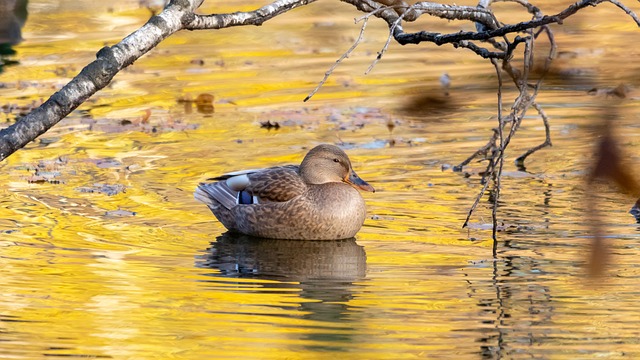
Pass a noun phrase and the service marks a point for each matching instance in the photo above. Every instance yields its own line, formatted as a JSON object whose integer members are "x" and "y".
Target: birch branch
{"x": 178, "y": 15}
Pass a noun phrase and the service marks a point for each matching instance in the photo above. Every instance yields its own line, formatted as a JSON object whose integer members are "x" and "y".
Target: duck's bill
{"x": 355, "y": 181}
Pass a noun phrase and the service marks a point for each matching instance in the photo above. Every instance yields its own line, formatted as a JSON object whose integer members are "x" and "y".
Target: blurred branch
{"x": 608, "y": 168}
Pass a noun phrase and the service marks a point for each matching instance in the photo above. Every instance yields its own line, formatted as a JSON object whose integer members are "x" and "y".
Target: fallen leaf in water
{"x": 204, "y": 104}
{"x": 64, "y": 71}
{"x": 45, "y": 177}
{"x": 106, "y": 189}
{"x": 390, "y": 125}
{"x": 145, "y": 117}
{"x": 44, "y": 141}
{"x": 152, "y": 126}
{"x": 269, "y": 125}
{"x": 18, "y": 111}
{"x": 46, "y": 171}
{"x": 120, "y": 213}
{"x": 621, "y": 91}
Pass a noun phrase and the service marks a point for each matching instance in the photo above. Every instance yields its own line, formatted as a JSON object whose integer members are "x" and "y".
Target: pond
{"x": 105, "y": 253}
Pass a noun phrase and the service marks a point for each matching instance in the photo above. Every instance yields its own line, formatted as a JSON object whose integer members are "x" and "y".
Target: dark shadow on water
{"x": 325, "y": 273}
{"x": 13, "y": 15}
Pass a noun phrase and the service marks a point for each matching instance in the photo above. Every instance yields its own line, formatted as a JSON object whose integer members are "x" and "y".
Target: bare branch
{"x": 95, "y": 76}
{"x": 532, "y": 9}
{"x": 109, "y": 61}
{"x": 501, "y": 148}
{"x": 627, "y": 10}
{"x": 392, "y": 28}
{"x": 485, "y": 53}
{"x": 480, "y": 194}
{"x": 547, "y": 141}
{"x": 415, "y": 38}
{"x": 335, "y": 65}
{"x": 486, "y": 149}
{"x": 256, "y": 17}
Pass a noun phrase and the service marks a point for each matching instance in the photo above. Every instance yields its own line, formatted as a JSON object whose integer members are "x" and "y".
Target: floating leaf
{"x": 106, "y": 189}
{"x": 269, "y": 125}
{"x": 120, "y": 213}
{"x": 204, "y": 104}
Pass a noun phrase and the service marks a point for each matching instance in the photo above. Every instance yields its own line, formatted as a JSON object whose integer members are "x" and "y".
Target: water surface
{"x": 108, "y": 255}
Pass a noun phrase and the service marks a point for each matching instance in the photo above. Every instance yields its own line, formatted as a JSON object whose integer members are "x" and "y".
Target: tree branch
{"x": 474, "y": 14}
{"x": 178, "y": 15}
{"x": 95, "y": 76}
{"x": 256, "y": 17}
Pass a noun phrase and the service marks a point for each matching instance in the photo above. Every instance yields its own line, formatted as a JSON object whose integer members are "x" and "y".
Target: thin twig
{"x": 485, "y": 53}
{"x": 545, "y": 120}
{"x": 482, "y": 151}
{"x": 532, "y": 9}
{"x": 494, "y": 212}
{"x": 480, "y": 194}
{"x": 392, "y": 28}
{"x": 335, "y": 65}
{"x": 627, "y": 10}
{"x": 515, "y": 75}
{"x": 547, "y": 140}
{"x": 256, "y": 17}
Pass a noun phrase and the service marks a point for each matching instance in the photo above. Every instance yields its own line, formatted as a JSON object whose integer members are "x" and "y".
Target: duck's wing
{"x": 275, "y": 184}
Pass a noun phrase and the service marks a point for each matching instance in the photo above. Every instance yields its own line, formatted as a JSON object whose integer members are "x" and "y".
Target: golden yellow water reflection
{"x": 105, "y": 253}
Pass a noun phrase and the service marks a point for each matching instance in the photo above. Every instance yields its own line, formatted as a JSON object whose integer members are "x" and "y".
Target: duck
{"x": 316, "y": 200}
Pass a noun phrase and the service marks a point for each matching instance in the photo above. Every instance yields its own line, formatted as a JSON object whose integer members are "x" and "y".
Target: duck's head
{"x": 328, "y": 163}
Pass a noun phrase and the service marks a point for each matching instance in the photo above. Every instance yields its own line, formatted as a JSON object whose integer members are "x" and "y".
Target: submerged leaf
{"x": 106, "y": 189}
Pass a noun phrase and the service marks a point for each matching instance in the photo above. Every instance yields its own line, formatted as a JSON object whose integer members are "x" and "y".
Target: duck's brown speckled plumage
{"x": 314, "y": 201}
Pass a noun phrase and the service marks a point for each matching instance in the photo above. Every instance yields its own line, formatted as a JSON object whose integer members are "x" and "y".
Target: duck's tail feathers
{"x": 216, "y": 194}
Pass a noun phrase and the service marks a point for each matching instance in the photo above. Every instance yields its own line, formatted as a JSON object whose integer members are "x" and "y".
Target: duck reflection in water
{"x": 237, "y": 255}
{"x": 324, "y": 271}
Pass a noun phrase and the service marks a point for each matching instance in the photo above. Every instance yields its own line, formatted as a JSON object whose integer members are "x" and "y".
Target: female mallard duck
{"x": 316, "y": 200}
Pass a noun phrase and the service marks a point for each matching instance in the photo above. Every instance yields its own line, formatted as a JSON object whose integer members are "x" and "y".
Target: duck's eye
{"x": 336, "y": 160}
